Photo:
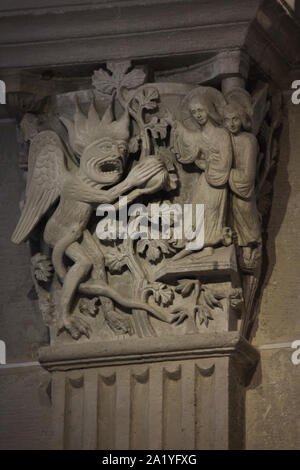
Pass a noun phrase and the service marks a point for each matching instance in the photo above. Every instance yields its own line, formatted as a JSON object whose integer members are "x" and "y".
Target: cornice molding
{"x": 40, "y": 36}
{"x": 146, "y": 350}
{"x": 136, "y": 30}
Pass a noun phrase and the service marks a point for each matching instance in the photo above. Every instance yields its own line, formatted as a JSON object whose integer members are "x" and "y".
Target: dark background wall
{"x": 24, "y": 386}
{"x": 273, "y": 398}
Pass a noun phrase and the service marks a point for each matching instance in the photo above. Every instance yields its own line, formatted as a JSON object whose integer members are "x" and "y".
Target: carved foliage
{"x": 82, "y": 277}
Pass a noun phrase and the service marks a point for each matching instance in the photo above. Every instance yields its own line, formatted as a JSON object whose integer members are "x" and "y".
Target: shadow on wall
{"x": 297, "y": 8}
{"x": 21, "y": 323}
{"x": 280, "y": 194}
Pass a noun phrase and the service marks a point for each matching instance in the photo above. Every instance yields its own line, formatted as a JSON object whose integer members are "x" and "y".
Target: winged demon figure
{"x": 102, "y": 145}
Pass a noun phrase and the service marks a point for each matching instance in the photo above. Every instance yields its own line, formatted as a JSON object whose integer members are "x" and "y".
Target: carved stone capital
{"x": 148, "y": 319}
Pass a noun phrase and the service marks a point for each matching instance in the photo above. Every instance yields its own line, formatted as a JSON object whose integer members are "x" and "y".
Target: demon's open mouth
{"x": 111, "y": 166}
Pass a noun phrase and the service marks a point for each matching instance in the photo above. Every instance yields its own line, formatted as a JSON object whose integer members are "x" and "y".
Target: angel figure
{"x": 207, "y": 145}
{"x": 102, "y": 146}
{"x": 246, "y": 219}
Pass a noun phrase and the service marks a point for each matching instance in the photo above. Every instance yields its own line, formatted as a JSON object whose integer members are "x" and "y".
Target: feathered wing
{"x": 46, "y": 169}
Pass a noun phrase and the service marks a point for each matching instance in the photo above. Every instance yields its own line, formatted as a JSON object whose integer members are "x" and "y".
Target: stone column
{"x": 147, "y": 345}
{"x": 160, "y": 393}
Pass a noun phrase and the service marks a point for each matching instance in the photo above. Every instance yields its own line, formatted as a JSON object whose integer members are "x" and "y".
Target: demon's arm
{"x": 77, "y": 189}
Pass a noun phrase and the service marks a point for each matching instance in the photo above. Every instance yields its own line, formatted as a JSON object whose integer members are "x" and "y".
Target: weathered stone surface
{"x": 273, "y": 398}
{"x": 279, "y": 319}
{"x": 193, "y": 142}
{"x": 100, "y": 382}
{"x": 151, "y": 394}
{"x": 209, "y": 277}
{"x": 172, "y": 32}
{"x": 25, "y": 409}
{"x": 23, "y": 337}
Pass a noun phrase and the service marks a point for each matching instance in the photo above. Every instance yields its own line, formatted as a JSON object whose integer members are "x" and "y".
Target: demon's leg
{"x": 76, "y": 274}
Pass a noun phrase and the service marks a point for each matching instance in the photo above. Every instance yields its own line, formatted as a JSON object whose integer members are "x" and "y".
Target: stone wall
{"x": 272, "y": 414}
{"x": 24, "y": 386}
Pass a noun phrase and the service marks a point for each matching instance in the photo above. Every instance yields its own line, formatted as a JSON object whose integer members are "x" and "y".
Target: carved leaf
{"x": 167, "y": 296}
{"x": 146, "y": 98}
{"x": 210, "y": 299}
{"x": 185, "y": 287}
{"x": 180, "y": 314}
{"x": 118, "y": 322}
{"x": 158, "y": 127}
{"x": 162, "y": 293}
{"x": 153, "y": 253}
{"x": 134, "y": 78}
{"x": 118, "y": 69}
{"x": 42, "y": 266}
{"x": 154, "y": 249}
{"x": 204, "y": 315}
{"x": 89, "y": 306}
{"x": 115, "y": 261}
{"x": 105, "y": 83}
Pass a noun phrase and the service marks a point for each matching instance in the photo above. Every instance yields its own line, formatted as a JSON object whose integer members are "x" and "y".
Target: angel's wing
{"x": 46, "y": 168}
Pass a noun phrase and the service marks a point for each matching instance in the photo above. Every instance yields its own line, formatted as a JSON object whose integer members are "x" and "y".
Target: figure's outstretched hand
{"x": 144, "y": 171}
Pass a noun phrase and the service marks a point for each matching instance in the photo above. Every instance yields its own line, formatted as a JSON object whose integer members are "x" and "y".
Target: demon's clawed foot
{"x": 75, "y": 325}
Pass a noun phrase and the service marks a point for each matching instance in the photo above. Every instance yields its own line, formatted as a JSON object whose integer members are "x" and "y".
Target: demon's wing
{"x": 46, "y": 170}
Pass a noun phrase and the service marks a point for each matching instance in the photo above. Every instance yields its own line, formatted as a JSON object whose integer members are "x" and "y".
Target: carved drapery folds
{"x": 157, "y": 143}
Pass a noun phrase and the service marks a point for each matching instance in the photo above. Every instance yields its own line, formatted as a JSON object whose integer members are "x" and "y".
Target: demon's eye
{"x": 106, "y": 147}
